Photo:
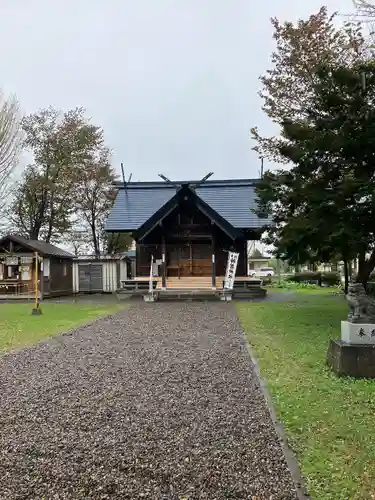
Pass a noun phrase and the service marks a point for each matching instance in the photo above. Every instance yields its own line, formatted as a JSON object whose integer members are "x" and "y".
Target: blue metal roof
{"x": 233, "y": 203}
{"x": 232, "y": 199}
{"x": 133, "y": 207}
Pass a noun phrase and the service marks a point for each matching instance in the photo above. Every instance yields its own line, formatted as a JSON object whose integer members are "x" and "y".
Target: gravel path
{"x": 157, "y": 402}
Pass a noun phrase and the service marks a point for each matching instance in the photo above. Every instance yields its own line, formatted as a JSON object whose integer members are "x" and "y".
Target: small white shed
{"x": 99, "y": 275}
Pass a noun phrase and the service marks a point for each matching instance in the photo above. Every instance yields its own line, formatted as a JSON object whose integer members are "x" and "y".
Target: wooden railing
{"x": 15, "y": 287}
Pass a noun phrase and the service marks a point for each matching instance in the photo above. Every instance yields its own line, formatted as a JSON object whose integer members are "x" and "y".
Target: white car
{"x": 262, "y": 272}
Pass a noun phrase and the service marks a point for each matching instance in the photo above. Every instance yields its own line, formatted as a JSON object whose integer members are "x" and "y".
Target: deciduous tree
{"x": 117, "y": 242}
{"x": 93, "y": 198}
{"x": 365, "y": 9}
{"x": 288, "y": 87}
{"x": 79, "y": 240}
{"x": 10, "y": 143}
{"x": 64, "y": 146}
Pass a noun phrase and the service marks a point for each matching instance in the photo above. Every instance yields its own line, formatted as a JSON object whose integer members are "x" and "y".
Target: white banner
{"x": 230, "y": 273}
{"x": 150, "y": 287}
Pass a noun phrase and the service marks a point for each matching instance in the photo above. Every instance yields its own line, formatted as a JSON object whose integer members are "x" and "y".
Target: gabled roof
{"x": 38, "y": 246}
{"x": 185, "y": 191}
{"x": 137, "y": 202}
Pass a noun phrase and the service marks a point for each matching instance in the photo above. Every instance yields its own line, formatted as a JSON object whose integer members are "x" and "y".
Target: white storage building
{"x": 100, "y": 275}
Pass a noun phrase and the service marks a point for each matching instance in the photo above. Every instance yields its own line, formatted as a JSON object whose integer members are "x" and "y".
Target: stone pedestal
{"x": 354, "y": 354}
{"x": 353, "y": 360}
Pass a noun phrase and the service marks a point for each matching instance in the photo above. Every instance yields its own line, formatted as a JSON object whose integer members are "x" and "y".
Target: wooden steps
{"x": 195, "y": 288}
{"x": 189, "y": 283}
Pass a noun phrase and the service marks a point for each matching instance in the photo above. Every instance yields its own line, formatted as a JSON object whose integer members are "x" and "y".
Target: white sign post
{"x": 150, "y": 286}
{"x": 150, "y": 296}
{"x": 230, "y": 273}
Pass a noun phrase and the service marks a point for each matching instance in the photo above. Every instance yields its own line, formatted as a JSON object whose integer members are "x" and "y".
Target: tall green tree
{"x": 324, "y": 206}
{"x": 34, "y": 211}
{"x": 116, "y": 243}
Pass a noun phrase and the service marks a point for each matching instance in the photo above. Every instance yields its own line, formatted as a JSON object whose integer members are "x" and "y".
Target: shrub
{"x": 290, "y": 285}
{"x": 306, "y": 277}
{"x": 316, "y": 278}
{"x": 331, "y": 279}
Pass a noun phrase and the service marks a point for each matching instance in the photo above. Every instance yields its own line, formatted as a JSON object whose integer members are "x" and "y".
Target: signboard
{"x": 26, "y": 259}
{"x": 230, "y": 273}
{"x": 11, "y": 261}
{"x": 357, "y": 333}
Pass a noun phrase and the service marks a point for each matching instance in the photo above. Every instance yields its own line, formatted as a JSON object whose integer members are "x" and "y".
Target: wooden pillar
{"x": 164, "y": 264}
{"x": 213, "y": 258}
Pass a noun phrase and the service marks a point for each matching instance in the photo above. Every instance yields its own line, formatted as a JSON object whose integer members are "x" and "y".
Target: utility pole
{"x": 261, "y": 167}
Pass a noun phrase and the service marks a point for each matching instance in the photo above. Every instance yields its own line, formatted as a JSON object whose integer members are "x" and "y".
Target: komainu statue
{"x": 361, "y": 306}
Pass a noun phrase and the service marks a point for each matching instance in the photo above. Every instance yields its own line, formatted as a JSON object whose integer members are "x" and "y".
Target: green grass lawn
{"x": 329, "y": 421}
{"x": 19, "y": 328}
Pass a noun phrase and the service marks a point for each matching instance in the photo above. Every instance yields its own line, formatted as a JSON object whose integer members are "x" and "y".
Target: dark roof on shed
{"x": 38, "y": 246}
{"x": 232, "y": 199}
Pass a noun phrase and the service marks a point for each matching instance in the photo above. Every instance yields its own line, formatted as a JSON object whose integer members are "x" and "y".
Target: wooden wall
{"x": 188, "y": 235}
{"x": 60, "y": 281}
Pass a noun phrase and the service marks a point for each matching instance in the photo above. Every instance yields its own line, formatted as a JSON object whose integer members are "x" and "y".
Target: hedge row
{"x": 318, "y": 278}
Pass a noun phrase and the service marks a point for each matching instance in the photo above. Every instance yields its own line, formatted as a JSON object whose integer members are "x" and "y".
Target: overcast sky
{"x": 172, "y": 82}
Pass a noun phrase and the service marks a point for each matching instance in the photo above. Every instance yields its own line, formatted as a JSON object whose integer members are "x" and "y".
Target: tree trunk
{"x": 50, "y": 229}
{"x": 95, "y": 241}
{"x": 346, "y": 275}
{"x": 35, "y": 230}
{"x": 365, "y": 268}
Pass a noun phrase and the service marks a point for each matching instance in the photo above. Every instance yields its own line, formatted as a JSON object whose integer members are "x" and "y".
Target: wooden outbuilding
{"x": 100, "y": 275}
{"x": 27, "y": 264}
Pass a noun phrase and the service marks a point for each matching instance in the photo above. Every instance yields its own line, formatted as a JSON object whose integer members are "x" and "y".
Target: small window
{"x": 65, "y": 270}
{"x": 46, "y": 267}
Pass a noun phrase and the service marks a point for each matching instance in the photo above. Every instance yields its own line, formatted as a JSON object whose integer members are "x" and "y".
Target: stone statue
{"x": 361, "y": 306}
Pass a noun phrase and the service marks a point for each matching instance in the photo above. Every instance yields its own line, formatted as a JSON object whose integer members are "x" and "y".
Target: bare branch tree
{"x": 79, "y": 240}
{"x": 10, "y": 143}
{"x": 365, "y": 14}
{"x": 365, "y": 8}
